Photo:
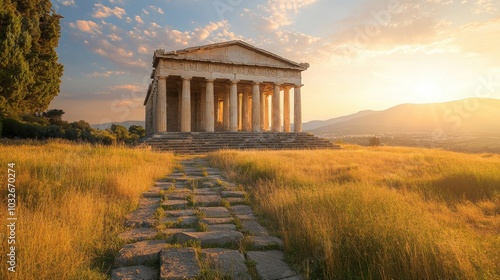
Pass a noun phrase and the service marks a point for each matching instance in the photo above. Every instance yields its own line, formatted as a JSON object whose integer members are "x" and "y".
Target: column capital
{"x": 161, "y": 77}
{"x": 186, "y": 78}
{"x": 209, "y": 80}
{"x": 256, "y": 83}
{"x": 298, "y": 86}
{"x": 234, "y": 81}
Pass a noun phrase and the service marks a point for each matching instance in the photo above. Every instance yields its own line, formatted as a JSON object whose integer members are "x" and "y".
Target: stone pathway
{"x": 196, "y": 225}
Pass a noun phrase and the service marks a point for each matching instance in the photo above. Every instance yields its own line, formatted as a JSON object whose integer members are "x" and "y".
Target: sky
{"x": 364, "y": 54}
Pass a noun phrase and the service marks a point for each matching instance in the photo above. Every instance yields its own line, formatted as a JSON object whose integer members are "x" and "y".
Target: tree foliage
{"x": 30, "y": 75}
{"x": 49, "y": 124}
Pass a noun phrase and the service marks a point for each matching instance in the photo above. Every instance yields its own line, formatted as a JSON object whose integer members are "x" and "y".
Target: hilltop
{"x": 469, "y": 121}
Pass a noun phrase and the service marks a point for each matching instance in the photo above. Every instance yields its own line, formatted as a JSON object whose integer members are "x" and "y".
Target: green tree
{"x": 137, "y": 130}
{"x": 121, "y": 133}
{"x": 30, "y": 75}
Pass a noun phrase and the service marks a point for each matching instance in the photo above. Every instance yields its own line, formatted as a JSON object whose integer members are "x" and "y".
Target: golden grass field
{"x": 356, "y": 213}
{"x": 72, "y": 202}
{"x": 378, "y": 213}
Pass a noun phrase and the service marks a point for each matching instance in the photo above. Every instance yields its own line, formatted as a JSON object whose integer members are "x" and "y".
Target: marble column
{"x": 209, "y": 107}
{"x": 297, "y": 123}
{"x": 161, "y": 106}
{"x": 266, "y": 112}
{"x": 147, "y": 118}
{"x": 276, "y": 110}
{"x": 262, "y": 110}
{"x": 286, "y": 109}
{"x": 203, "y": 107}
{"x": 256, "y": 107}
{"x": 186, "y": 105}
{"x": 244, "y": 111}
{"x": 233, "y": 106}
{"x": 225, "y": 108}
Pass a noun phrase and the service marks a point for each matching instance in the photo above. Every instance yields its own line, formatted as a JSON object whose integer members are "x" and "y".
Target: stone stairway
{"x": 203, "y": 142}
{"x": 196, "y": 225}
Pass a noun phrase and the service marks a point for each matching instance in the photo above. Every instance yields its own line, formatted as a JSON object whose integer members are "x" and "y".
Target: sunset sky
{"x": 371, "y": 54}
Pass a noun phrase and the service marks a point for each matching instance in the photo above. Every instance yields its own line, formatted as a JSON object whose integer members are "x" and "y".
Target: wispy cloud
{"x": 86, "y": 26}
{"x": 101, "y": 11}
{"x": 105, "y": 74}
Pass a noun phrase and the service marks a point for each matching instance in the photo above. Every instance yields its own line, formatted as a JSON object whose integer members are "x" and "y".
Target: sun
{"x": 427, "y": 91}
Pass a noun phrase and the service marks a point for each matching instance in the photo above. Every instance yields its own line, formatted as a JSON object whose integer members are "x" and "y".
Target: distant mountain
{"x": 472, "y": 116}
{"x": 126, "y": 124}
{"x": 317, "y": 124}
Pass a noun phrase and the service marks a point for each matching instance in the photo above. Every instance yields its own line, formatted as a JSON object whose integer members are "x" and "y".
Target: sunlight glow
{"x": 427, "y": 91}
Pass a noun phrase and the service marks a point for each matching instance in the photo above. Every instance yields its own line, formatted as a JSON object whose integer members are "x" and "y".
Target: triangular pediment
{"x": 234, "y": 52}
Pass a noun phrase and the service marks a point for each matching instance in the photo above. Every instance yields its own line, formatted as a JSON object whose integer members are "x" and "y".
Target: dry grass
{"x": 378, "y": 213}
{"x": 72, "y": 201}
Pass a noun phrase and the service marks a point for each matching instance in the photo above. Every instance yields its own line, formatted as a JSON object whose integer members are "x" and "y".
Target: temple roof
{"x": 234, "y": 52}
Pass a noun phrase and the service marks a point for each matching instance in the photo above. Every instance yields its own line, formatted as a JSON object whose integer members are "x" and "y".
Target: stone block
{"x": 270, "y": 265}
{"x": 138, "y": 234}
{"x": 211, "y": 238}
{"x": 231, "y": 263}
{"x": 140, "y": 253}
{"x": 174, "y": 204}
{"x": 241, "y": 209}
{"x": 207, "y": 200}
{"x": 179, "y": 263}
{"x": 215, "y": 212}
{"x": 139, "y": 272}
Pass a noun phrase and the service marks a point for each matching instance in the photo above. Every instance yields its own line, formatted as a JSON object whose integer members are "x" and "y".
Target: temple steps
{"x": 203, "y": 142}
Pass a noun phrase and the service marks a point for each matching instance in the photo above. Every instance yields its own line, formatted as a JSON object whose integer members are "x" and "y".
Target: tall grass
{"x": 378, "y": 213}
{"x": 72, "y": 201}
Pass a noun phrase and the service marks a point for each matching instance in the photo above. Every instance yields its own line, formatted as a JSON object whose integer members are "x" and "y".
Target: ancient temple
{"x": 231, "y": 86}
{"x": 231, "y": 91}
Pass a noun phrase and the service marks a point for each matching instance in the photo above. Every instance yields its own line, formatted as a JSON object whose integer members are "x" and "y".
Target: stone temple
{"x": 225, "y": 95}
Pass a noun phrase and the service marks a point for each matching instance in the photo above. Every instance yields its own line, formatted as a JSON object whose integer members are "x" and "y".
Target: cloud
{"x": 105, "y": 74}
{"x": 68, "y": 3}
{"x": 102, "y": 93}
{"x": 128, "y": 87}
{"x": 86, "y": 26}
{"x": 281, "y": 12}
{"x": 155, "y": 9}
{"x": 139, "y": 20}
{"x": 485, "y": 6}
{"x": 101, "y": 11}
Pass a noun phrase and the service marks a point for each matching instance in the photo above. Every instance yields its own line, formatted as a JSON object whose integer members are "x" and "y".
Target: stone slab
{"x": 233, "y": 194}
{"x": 153, "y": 192}
{"x": 179, "y": 263}
{"x": 164, "y": 185}
{"x": 181, "y": 222}
{"x": 207, "y": 200}
{"x": 270, "y": 265}
{"x": 143, "y": 216}
{"x": 208, "y": 184}
{"x": 215, "y": 221}
{"x": 229, "y": 262}
{"x": 215, "y": 212}
{"x": 176, "y": 204}
{"x": 266, "y": 242}
{"x": 180, "y": 213}
{"x": 205, "y": 191}
{"x": 241, "y": 209}
{"x": 178, "y": 195}
{"x": 139, "y": 253}
{"x": 235, "y": 200}
{"x": 247, "y": 217}
{"x": 254, "y": 228}
{"x": 139, "y": 272}
{"x": 222, "y": 227}
{"x": 138, "y": 234}
{"x": 211, "y": 238}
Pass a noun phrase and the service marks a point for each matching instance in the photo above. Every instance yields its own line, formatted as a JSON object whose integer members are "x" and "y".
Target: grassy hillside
{"x": 72, "y": 200}
{"x": 378, "y": 213}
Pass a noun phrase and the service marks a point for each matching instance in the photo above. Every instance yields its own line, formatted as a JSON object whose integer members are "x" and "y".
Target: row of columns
{"x": 260, "y": 107}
